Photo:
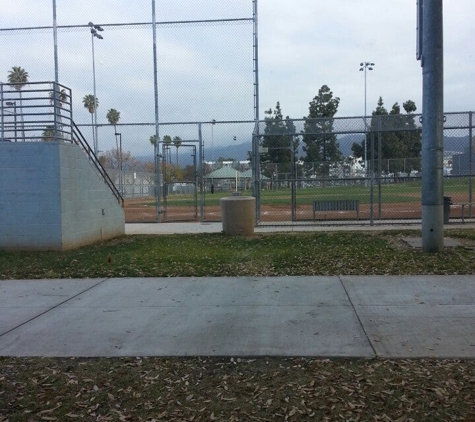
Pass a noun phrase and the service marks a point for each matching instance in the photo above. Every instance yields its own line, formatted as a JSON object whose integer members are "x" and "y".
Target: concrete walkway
{"x": 217, "y": 227}
{"x": 346, "y": 316}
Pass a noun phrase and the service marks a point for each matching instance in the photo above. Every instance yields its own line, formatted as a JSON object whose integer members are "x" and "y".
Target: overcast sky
{"x": 205, "y": 71}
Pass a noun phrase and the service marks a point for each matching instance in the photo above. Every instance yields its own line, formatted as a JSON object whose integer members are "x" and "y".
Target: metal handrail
{"x": 80, "y": 140}
{"x": 29, "y": 114}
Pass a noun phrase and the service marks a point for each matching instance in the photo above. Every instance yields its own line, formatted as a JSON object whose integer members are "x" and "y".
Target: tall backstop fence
{"x": 206, "y": 61}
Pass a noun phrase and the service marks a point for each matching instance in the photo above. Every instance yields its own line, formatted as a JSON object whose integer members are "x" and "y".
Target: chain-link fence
{"x": 330, "y": 170}
{"x": 302, "y": 176}
{"x": 198, "y": 164}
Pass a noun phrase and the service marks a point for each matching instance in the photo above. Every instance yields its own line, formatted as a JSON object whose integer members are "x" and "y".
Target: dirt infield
{"x": 144, "y": 212}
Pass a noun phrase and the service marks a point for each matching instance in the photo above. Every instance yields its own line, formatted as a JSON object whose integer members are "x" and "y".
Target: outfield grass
{"x": 403, "y": 192}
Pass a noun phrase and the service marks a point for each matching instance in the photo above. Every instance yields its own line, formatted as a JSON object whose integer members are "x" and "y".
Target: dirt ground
{"x": 136, "y": 212}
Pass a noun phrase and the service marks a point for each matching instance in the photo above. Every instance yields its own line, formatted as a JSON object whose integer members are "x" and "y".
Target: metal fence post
{"x": 371, "y": 195}
{"x": 158, "y": 182}
{"x": 256, "y": 171}
{"x": 379, "y": 168}
{"x": 292, "y": 178}
{"x": 470, "y": 146}
{"x": 201, "y": 173}
{"x": 1, "y": 104}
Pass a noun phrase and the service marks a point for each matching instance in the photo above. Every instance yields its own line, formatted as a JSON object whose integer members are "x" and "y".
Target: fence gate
{"x": 180, "y": 193}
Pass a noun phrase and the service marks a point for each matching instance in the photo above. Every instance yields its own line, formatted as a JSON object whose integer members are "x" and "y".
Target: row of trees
{"x": 396, "y": 146}
{"x": 282, "y": 142}
{"x": 167, "y": 140}
{"x": 111, "y": 160}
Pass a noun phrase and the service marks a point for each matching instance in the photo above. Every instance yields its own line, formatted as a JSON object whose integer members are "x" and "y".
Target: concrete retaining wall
{"x": 51, "y": 198}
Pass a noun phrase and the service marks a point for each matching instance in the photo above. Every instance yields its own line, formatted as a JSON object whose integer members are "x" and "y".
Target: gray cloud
{"x": 205, "y": 71}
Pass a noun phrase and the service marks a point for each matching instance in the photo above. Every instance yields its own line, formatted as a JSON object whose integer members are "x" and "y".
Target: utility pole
{"x": 431, "y": 54}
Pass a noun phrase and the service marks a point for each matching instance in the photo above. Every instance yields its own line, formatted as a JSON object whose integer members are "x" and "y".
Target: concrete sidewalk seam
{"x": 358, "y": 317}
{"x": 53, "y": 307}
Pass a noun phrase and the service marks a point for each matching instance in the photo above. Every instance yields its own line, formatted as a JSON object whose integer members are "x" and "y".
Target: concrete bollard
{"x": 237, "y": 213}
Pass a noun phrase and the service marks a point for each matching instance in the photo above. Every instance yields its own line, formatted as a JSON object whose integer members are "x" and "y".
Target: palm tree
{"x": 113, "y": 116}
{"x": 91, "y": 103}
{"x": 177, "y": 142}
{"x": 48, "y": 133}
{"x": 61, "y": 99}
{"x": 167, "y": 140}
{"x": 19, "y": 77}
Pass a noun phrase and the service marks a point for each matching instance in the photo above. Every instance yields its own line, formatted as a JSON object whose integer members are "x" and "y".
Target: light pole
{"x": 13, "y": 104}
{"x": 364, "y": 66}
{"x": 95, "y": 34}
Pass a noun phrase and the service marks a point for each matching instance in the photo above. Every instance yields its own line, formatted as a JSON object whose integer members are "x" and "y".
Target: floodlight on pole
{"x": 364, "y": 66}
{"x": 95, "y": 34}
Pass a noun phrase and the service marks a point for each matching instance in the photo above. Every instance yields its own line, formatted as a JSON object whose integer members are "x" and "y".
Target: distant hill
{"x": 236, "y": 151}
{"x": 451, "y": 143}
{"x": 240, "y": 151}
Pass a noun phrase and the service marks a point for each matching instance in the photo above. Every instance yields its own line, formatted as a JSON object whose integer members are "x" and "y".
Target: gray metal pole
{"x": 364, "y": 67}
{"x": 256, "y": 63}
{"x": 201, "y": 173}
{"x": 371, "y": 191}
{"x": 96, "y": 144}
{"x": 292, "y": 179}
{"x": 1, "y": 106}
{"x": 256, "y": 175}
{"x": 470, "y": 144}
{"x": 366, "y": 128}
{"x": 56, "y": 89}
{"x": 432, "y": 127}
{"x": 158, "y": 182}
{"x": 55, "y": 37}
{"x": 380, "y": 200}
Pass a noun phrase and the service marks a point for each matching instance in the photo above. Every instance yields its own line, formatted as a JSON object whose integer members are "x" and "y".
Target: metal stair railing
{"x": 78, "y": 139}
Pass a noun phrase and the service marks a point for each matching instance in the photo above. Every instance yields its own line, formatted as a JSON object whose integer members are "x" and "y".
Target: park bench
{"x": 463, "y": 205}
{"x": 337, "y": 205}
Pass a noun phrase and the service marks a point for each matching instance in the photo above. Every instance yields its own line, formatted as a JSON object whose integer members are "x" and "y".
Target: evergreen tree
{"x": 400, "y": 139}
{"x": 281, "y": 142}
{"x": 320, "y": 143}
